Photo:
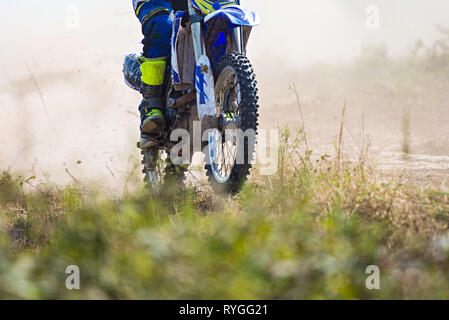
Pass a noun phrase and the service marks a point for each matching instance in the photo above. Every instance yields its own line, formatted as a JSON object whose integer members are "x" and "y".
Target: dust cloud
{"x": 65, "y": 113}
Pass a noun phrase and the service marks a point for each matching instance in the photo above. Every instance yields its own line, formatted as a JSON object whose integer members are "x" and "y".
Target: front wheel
{"x": 232, "y": 145}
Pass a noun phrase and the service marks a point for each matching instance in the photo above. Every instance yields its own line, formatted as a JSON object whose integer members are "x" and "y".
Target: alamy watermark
{"x": 373, "y": 280}
{"x": 231, "y": 147}
{"x": 372, "y": 21}
{"x": 73, "y": 282}
{"x": 73, "y": 18}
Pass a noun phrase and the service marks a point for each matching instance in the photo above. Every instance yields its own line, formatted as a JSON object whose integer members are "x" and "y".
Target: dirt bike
{"x": 211, "y": 82}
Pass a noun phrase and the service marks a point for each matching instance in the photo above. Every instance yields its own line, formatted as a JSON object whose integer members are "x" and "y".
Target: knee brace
{"x": 153, "y": 76}
{"x": 153, "y": 70}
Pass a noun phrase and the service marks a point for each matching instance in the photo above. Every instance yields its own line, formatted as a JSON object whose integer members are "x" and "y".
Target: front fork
{"x": 204, "y": 80}
{"x": 198, "y": 43}
{"x": 237, "y": 38}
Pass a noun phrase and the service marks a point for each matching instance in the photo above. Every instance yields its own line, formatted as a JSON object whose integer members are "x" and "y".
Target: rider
{"x": 154, "y": 15}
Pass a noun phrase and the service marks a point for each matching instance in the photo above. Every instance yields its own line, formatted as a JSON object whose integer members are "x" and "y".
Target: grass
{"x": 309, "y": 233}
{"x": 406, "y": 134}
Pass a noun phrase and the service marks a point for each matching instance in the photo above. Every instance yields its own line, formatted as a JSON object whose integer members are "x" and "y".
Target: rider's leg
{"x": 151, "y": 107}
{"x": 157, "y": 28}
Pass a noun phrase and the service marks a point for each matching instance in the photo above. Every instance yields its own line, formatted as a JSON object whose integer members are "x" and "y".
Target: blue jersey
{"x": 177, "y": 5}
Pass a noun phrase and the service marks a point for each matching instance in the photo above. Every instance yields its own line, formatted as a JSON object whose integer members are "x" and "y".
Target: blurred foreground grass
{"x": 308, "y": 232}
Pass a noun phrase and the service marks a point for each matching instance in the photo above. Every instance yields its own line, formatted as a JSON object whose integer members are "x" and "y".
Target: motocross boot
{"x": 152, "y": 90}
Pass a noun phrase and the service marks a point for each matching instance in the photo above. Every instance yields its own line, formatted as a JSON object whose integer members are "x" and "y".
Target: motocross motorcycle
{"x": 210, "y": 88}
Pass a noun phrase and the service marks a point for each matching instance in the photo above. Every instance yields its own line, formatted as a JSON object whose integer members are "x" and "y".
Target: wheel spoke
{"x": 227, "y": 104}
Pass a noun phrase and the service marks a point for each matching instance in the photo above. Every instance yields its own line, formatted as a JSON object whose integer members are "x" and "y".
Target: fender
{"x": 236, "y": 15}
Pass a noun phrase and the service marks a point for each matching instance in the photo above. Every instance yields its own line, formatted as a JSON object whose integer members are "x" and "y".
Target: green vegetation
{"x": 309, "y": 232}
{"x": 424, "y": 71}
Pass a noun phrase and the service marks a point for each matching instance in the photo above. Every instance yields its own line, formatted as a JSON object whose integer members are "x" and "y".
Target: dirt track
{"x": 377, "y": 104}
{"x": 67, "y": 114}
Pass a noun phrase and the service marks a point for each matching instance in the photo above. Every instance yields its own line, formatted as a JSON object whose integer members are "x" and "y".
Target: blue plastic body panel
{"x": 236, "y": 15}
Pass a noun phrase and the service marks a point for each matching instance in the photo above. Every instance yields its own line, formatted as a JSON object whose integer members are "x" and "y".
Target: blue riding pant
{"x": 156, "y": 28}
